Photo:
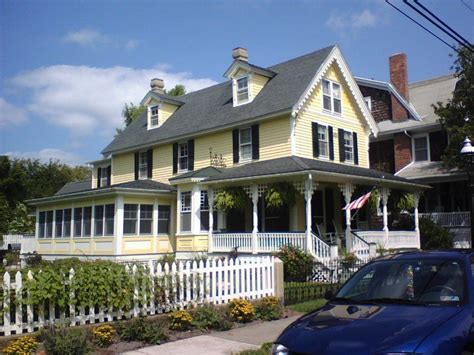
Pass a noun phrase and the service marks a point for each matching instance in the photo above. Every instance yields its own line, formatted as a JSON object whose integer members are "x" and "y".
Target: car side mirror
{"x": 329, "y": 294}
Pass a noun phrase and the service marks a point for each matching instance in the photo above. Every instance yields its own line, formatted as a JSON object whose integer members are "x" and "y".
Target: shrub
{"x": 181, "y": 320}
{"x": 269, "y": 308}
{"x": 104, "y": 335}
{"x": 13, "y": 258}
{"x": 434, "y": 236}
{"x": 209, "y": 317}
{"x": 65, "y": 341}
{"x": 139, "y": 329}
{"x": 242, "y": 310}
{"x": 33, "y": 259}
{"x": 297, "y": 264}
{"x": 167, "y": 258}
{"x": 23, "y": 346}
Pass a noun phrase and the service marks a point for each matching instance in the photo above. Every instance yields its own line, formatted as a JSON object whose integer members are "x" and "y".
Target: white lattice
{"x": 261, "y": 189}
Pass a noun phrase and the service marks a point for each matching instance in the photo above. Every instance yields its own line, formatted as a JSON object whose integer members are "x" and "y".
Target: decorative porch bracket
{"x": 347, "y": 190}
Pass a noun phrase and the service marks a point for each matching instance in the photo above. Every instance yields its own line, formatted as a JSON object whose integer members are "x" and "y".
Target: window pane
{"x": 336, "y": 91}
{"x": 154, "y": 116}
{"x": 326, "y": 87}
{"x": 99, "y": 220}
{"x": 130, "y": 219}
{"x": 204, "y": 220}
{"x": 163, "y": 219}
{"x": 245, "y": 136}
{"x": 67, "y": 222}
{"x": 87, "y": 220}
{"x": 348, "y": 149}
{"x": 421, "y": 149}
{"x": 146, "y": 218}
{"x": 327, "y": 102}
{"x": 183, "y": 163}
{"x": 337, "y": 105}
{"x": 143, "y": 166}
{"x": 59, "y": 224}
{"x": 109, "y": 219}
{"x": 242, "y": 83}
{"x": 186, "y": 201}
{"x": 183, "y": 156}
{"x": 49, "y": 224}
{"x": 185, "y": 222}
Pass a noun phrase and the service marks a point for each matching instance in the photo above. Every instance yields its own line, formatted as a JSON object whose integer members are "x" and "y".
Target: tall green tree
{"x": 178, "y": 90}
{"x": 457, "y": 115}
{"x": 130, "y": 113}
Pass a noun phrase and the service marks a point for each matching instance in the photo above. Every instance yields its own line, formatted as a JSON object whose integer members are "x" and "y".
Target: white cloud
{"x": 47, "y": 154}
{"x": 132, "y": 44}
{"x": 344, "y": 23}
{"x": 11, "y": 115}
{"x": 86, "y": 37}
{"x": 89, "y": 100}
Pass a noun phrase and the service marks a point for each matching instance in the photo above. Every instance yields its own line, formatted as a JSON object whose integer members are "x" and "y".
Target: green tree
{"x": 457, "y": 115}
{"x": 178, "y": 90}
{"x": 130, "y": 113}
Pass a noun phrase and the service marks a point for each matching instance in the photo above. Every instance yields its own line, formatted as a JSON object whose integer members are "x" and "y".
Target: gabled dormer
{"x": 247, "y": 79}
{"x": 160, "y": 106}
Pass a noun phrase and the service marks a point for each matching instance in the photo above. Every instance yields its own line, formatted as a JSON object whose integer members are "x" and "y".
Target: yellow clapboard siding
{"x": 218, "y": 143}
{"x": 123, "y": 168}
{"x": 351, "y": 119}
{"x": 257, "y": 84}
{"x": 275, "y": 138}
{"x": 163, "y": 163}
{"x": 166, "y": 110}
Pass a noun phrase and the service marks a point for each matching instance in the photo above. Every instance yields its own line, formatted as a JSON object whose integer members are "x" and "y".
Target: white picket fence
{"x": 186, "y": 283}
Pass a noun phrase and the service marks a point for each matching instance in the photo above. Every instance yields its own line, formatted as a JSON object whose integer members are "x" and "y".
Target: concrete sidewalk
{"x": 222, "y": 343}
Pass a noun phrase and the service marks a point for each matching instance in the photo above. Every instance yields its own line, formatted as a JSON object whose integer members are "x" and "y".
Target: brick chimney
{"x": 399, "y": 79}
{"x": 240, "y": 53}
{"x": 157, "y": 85}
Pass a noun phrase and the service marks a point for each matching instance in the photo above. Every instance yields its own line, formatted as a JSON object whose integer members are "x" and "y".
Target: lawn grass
{"x": 308, "y": 306}
{"x": 264, "y": 350}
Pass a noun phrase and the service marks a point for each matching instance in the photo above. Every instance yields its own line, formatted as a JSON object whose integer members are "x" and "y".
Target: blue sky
{"x": 67, "y": 67}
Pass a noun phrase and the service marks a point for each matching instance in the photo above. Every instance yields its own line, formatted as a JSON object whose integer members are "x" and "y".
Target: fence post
{"x": 6, "y": 303}
{"x": 278, "y": 283}
{"x": 372, "y": 250}
{"x": 333, "y": 252}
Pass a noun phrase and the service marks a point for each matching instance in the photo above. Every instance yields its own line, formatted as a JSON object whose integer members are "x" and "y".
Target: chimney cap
{"x": 157, "y": 85}
{"x": 240, "y": 53}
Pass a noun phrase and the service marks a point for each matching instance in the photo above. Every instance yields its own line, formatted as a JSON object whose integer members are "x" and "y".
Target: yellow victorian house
{"x": 301, "y": 125}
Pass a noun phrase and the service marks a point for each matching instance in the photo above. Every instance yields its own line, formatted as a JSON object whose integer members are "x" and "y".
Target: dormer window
{"x": 103, "y": 177}
{"x": 242, "y": 90}
{"x": 154, "y": 116}
{"x": 331, "y": 96}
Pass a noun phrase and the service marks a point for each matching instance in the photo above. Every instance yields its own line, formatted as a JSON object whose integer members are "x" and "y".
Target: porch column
{"x": 210, "y": 199}
{"x": 385, "y": 193}
{"x": 196, "y": 209}
{"x": 308, "y": 195}
{"x": 118, "y": 224}
{"x": 416, "y": 196}
{"x": 347, "y": 190}
{"x": 254, "y": 195}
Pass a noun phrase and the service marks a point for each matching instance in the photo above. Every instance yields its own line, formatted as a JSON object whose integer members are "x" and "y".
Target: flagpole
{"x": 355, "y": 214}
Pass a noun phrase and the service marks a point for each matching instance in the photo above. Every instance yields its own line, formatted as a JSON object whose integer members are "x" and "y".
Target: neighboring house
{"x": 411, "y": 142}
{"x": 303, "y": 122}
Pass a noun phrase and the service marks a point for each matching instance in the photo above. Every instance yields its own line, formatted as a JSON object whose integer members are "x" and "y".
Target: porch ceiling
{"x": 321, "y": 170}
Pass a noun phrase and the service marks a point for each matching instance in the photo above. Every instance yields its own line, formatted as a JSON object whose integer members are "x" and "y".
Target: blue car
{"x": 407, "y": 303}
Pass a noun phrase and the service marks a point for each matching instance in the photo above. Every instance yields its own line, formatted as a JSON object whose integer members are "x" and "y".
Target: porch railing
{"x": 392, "y": 239}
{"x": 271, "y": 242}
{"x": 322, "y": 250}
{"x": 360, "y": 247}
{"x": 449, "y": 219}
{"x": 225, "y": 242}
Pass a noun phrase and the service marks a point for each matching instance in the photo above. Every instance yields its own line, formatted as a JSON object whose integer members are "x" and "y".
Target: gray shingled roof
{"x": 430, "y": 171}
{"x": 295, "y": 164}
{"x": 201, "y": 173}
{"x": 212, "y": 108}
{"x": 83, "y": 186}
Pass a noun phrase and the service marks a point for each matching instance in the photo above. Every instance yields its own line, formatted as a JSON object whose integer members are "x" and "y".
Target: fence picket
{"x": 6, "y": 303}
{"x": 19, "y": 298}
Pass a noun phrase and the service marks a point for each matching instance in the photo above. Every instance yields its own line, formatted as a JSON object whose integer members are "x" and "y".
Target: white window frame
{"x": 237, "y": 91}
{"x": 181, "y": 156}
{"x": 351, "y": 146}
{"x": 137, "y": 220}
{"x": 143, "y": 165}
{"x": 368, "y": 102}
{"x": 104, "y": 220}
{"x": 145, "y": 219}
{"x": 250, "y": 143}
{"x": 103, "y": 176}
{"x": 151, "y": 117}
{"x": 324, "y": 156}
{"x": 428, "y": 155}
{"x": 331, "y": 96}
{"x": 185, "y": 210}
{"x": 45, "y": 225}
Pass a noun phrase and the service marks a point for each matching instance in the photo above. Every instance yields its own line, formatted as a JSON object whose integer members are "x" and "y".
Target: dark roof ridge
{"x": 301, "y": 56}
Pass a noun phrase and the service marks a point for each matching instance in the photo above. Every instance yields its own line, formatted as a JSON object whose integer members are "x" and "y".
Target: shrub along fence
{"x": 324, "y": 276}
{"x": 102, "y": 292}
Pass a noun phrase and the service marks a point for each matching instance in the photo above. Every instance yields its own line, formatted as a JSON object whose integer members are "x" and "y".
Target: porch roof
{"x": 81, "y": 189}
{"x": 294, "y": 165}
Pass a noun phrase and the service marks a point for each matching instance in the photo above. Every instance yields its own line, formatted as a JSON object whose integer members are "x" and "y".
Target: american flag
{"x": 359, "y": 203}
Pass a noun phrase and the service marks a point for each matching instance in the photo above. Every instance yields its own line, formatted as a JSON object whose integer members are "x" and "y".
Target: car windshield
{"x": 408, "y": 282}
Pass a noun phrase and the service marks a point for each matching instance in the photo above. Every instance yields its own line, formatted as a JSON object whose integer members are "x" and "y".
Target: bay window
{"x": 421, "y": 148}
{"x": 164, "y": 219}
{"x": 146, "y": 219}
{"x": 185, "y": 211}
{"x": 130, "y": 212}
{"x": 58, "y": 233}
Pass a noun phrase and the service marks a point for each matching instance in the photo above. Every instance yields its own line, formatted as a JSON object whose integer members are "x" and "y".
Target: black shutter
{"x": 356, "y": 148}
{"x": 149, "y": 161}
{"x": 235, "y": 145}
{"x": 255, "y": 142}
{"x": 191, "y": 154}
{"x": 175, "y": 158}
{"x": 331, "y": 143}
{"x": 342, "y": 155}
{"x": 99, "y": 173}
{"x": 314, "y": 130}
{"x": 137, "y": 161}
{"x": 109, "y": 175}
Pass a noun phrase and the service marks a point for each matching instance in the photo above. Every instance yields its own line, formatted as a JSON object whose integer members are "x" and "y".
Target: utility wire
{"x": 443, "y": 23}
{"x": 467, "y": 5}
{"x": 423, "y": 27}
{"x": 441, "y": 28}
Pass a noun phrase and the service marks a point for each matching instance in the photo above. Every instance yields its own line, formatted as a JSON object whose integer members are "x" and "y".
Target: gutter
{"x": 199, "y": 133}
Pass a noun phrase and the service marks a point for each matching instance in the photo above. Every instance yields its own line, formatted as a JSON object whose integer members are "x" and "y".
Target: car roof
{"x": 429, "y": 254}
